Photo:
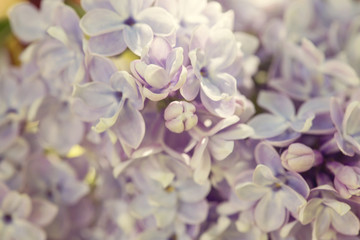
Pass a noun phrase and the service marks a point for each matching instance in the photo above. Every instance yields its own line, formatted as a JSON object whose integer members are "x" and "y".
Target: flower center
{"x": 130, "y": 21}
{"x": 7, "y": 218}
{"x": 118, "y": 96}
{"x": 204, "y": 72}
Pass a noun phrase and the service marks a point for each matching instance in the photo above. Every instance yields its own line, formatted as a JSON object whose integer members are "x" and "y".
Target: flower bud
{"x": 179, "y": 116}
{"x": 298, "y": 157}
{"x": 347, "y": 179}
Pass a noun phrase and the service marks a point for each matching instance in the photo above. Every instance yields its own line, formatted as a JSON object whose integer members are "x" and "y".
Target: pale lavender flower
{"x": 160, "y": 69}
{"x": 22, "y": 217}
{"x": 168, "y": 192}
{"x": 283, "y": 125}
{"x": 304, "y": 72}
{"x": 41, "y": 19}
{"x": 274, "y": 192}
{"x": 112, "y": 100}
{"x": 115, "y": 25}
{"x": 190, "y": 15}
{"x": 214, "y": 140}
{"x": 329, "y": 217}
{"x": 56, "y": 181}
{"x": 224, "y": 228}
{"x": 13, "y": 162}
{"x": 347, "y": 179}
{"x": 347, "y": 136}
{"x": 19, "y": 89}
{"x": 59, "y": 128}
{"x": 180, "y": 116}
{"x": 215, "y": 57}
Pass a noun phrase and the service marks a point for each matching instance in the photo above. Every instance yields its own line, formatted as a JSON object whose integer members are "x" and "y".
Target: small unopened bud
{"x": 179, "y": 116}
{"x": 298, "y": 157}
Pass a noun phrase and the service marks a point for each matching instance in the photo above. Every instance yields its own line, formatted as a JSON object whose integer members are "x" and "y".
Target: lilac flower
{"x": 306, "y": 73}
{"x": 160, "y": 69}
{"x": 283, "y": 126}
{"x": 328, "y": 217}
{"x": 214, "y": 140}
{"x": 347, "y": 179}
{"x": 18, "y": 92}
{"x": 215, "y": 56}
{"x": 30, "y": 31}
{"x": 113, "y": 100}
{"x": 113, "y": 26}
{"x": 274, "y": 192}
{"x": 168, "y": 192}
{"x": 13, "y": 162}
{"x": 22, "y": 217}
{"x": 190, "y": 15}
{"x": 56, "y": 181}
{"x": 56, "y": 117}
{"x": 347, "y": 137}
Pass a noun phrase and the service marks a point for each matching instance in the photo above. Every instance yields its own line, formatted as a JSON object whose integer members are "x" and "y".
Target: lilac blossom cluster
{"x": 182, "y": 119}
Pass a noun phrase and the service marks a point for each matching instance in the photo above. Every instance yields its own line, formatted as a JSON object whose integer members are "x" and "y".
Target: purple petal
{"x": 298, "y": 183}
{"x": 264, "y": 176}
{"x": 88, "y": 5}
{"x": 292, "y": 200}
{"x": 219, "y": 148}
{"x": 137, "y": 37}
{"x": 160, "y": 21}
{"x": 130, "y": 126}
{"x": 270, "y": 213}
{"x": 189, "y": 191}
{"x": 250, "y": 192}
{"x": 26, "y": 30}
{"x": 277, "y": 104}
{"x": 100, "y": 21}
{"x": 347, "y": 224}
{"x": 201, "y": 162}
{"x": 223, "y": 108}
{"x": 101, "y": 69}
{"x": 94, "y": 100}
{"x": 43, "y": 212}
{"x": 267, "y": 125}
{"x": 25, "y": 230}
{"x": 108, "y": 44}
{"x": 341, "y": 72}
{"x": 193, "y": 213}
{"x": 267, "y": 155}
{"x": 191, "y": 87}
{"x": 322, "y": 223}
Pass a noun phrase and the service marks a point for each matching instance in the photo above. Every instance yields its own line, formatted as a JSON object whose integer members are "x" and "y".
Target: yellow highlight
{"x": 32, "y": 127}
{"x": 122, "y": 62}
{"x": 5, "y": 6}
{"x": 91, "y": 177}
{"x": 75, "y": 151}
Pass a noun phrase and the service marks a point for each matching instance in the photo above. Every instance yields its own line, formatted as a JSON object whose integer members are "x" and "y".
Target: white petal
{"x": 100, "y": 21}
{"x": 160, "y": 21}
{"x": 137, "y": 37}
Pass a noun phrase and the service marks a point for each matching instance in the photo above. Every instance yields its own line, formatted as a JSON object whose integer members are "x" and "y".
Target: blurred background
{"x": 8, "y": 41}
